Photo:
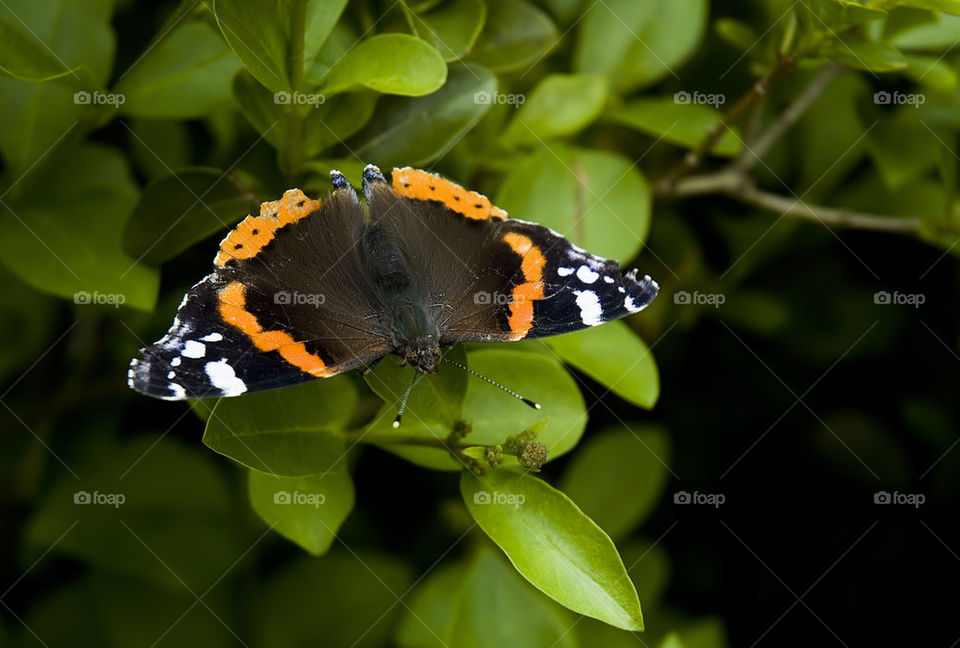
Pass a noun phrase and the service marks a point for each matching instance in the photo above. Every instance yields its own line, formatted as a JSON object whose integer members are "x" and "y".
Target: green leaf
{"x": 935, "y": 36}
{"x": 330, "y": 120}
{"x": 434, "y": 398}
{"x": 68, "y": 242}
{"x": 39, "y": 117}
{"x": 491, "y": 414}
{"x": 187, "y": 75}
{"x": 22, "y": 57}
{"x": 453, "y": 28}
{"x": 903, "y": 147}
{"x": 307, "y": 510}
{"x": 389, "y": 63}
{"x": 677, "y": 120}
{"x": 346, "y": 598}
{"x": 29, "y": 320}
{"x": 156, "y": 146}
{"x": 288, "y": 432}
{"x": 614, "y": 356}
{"x": 947, "y": 6}
{"x": 598, "y": 200}
{"x": 636, "y": 44}
{"x": 515, "y": 35}
{"x": 176, "y": 211}
{"x": 933, "y": 72}
{"x": 619, "y": 460}
{"x": 864, "y": 55}
{"x": 480, "y": 604}
{"x": 416, "y": 132}
{"x": 127, "y": 509}
{"x": 561, "y": 104}
{"x": 553, "y": 545}
{"x": 737, "y": 34}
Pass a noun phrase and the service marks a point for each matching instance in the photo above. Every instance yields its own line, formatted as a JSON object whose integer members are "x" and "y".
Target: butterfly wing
{"x": 288, "y": 302}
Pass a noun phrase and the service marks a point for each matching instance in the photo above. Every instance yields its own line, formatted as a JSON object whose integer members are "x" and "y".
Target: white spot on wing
{"x": 565, "y": 272}
{"x": 223, "y": 377}
{"x": 176, "y": 361}
{"x": 212, "y": 337}
{"x": 171, "y": 375}
{"x": 179, "y": 393}
{"x": 586, "y": 275}
{"x": 194, "y": 349}
{"x": 629, "y": 305}
{"x": 607, "y": 279}
{"x": 590, "y": 311}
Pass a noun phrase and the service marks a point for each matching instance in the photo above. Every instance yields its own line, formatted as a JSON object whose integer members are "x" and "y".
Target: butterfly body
{"x": 310, "y": 289}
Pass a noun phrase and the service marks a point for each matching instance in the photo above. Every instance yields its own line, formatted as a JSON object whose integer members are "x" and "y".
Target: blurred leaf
{"x": 561, "y": 104}
{"x": 948, "y": 6}
{"x": 176, "y": 211}
{"x": 68, "y": 242}
{"x": 686, "y": 124}
{"x": 330, "y": 121}
{"x": 390, "y": 63}
{"x": 288, "y": 432}
{"x": 933, "y": 37}
{"x": 453, "y": 28}
{"x": 38, "y": 117}
{"x": 346, "y": 598}
{"x": 142, "y": 534}
{"x": 27, "y": 323}
{"x": 62, "y": 615}
{"x": 156, "y": 146}
{"x": 933, "y": 72}
{"x": 635, "y": 44}
{"x": 553, "y": 545}
{"x": 598, "y": 200}
{"x": 416, "y": 132}
{"x": 903, "y": 147}
{"x": 864, "y": 55}
{"x": 614, "y": 356}
{"x": 620, "y": 460}
{"x": 259, "y": 33}
{"x": 487, "y": 605}
{"x": 22, "y": 57}
{"x": 307, "y": 510}
{"x": 493, "y": 415}
{"x": 737, "y": 34}
{"x": 515, "y": 35}
{"x": 186, "y": 75}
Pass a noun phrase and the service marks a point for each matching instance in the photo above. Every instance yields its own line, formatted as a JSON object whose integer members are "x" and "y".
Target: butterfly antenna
{"x": 529, "y": 402}
{"x": 406, "y": 395}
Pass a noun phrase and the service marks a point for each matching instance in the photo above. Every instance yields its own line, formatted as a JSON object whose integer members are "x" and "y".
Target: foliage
{"x": 128, "y": 153}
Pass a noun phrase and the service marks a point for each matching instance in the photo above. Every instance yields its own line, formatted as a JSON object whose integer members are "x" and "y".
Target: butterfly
{"x": 310, "y": 289}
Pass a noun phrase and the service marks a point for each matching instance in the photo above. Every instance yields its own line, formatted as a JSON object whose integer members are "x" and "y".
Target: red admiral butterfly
{"x": 310, "y": 289}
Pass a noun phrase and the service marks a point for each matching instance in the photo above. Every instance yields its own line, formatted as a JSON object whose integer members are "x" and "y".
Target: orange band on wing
{"x": 233, "y": 310}
{"x": 520, "y": 318}
{"x": 420, "y": 185}
{"x": 254, "y": 232}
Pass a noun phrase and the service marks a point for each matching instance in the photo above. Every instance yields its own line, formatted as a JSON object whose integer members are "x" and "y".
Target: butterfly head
{"x": 423, "y": 353}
